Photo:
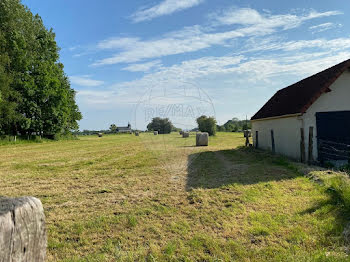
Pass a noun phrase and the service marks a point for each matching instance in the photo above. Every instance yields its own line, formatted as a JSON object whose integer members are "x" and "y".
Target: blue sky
{"x": 238, "y": 52}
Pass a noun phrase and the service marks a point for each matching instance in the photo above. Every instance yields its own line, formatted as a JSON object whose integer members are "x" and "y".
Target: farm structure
{"x": 125, "y": 129}
{"x": 309, "y": 120}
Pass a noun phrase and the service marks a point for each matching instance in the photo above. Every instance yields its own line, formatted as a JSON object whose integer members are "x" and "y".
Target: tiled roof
{"x": 298, "y": 97}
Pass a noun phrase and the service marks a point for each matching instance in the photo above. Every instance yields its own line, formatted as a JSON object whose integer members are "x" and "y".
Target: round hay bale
{"x": 202, "y": 139}
{"x": 185, "y": 134}
{"x": 155, "y": 133}
{"x": 100, "y": 134}
{"x": 137, "y": 133}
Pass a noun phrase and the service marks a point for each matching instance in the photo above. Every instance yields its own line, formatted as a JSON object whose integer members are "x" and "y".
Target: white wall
{"x": 286, "y": 134}
{"x": 336, "y": 100}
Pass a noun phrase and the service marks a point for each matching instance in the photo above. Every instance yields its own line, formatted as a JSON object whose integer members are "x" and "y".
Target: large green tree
{"x": 162, "y": 125}
{"x": 207, "y": 124}
{"x": 36, "y": 96}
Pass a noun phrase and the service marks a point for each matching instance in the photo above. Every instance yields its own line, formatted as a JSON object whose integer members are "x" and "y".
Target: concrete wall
{"x": 336, "y": 100}
{"x": 286, "y": 134}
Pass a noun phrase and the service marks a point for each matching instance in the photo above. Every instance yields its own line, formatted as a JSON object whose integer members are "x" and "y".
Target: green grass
{"x": 159, "y": 198}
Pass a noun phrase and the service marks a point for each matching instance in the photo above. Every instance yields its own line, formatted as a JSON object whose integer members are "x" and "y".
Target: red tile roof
{"x": 298, "y": 97}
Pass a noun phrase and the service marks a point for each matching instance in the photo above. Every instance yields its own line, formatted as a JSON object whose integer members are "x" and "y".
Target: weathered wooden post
{"x": 202, "y": 139}
{"x": 273, "y": 142}
{"x": 22, "y": 230}
{"x": 311, "y": 145}
{"x": 247, "y": 134}
{"x": 302, "y": 145}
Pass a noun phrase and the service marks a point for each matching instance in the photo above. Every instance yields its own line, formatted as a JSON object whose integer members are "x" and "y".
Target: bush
{"x": 207, "y": 124}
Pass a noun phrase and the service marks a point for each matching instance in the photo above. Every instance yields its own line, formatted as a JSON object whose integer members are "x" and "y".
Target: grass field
{"x": 158, "y": 198}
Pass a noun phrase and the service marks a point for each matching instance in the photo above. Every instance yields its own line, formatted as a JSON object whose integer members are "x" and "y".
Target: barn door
{"x": 333, "y": 135}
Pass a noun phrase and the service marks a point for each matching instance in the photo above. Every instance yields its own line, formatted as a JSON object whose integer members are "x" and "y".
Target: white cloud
{"x": 243, "y": 71}
{"x": 336, "y": 44}
{"x": 166, "y": 7}
{"x": 118, "y": 42}
{"x": 195, "y": 38}
{"x": 230, "y": 81}
{"x": 248, "y": 16}
{"x": 85, "y": 80}
{"x": 145, "y": 67}
{"x": 323, "y": 27}
{"x": 95, "y": 97}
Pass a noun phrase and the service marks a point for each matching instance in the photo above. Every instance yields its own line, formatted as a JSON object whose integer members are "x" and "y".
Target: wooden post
{"x": 256, "y": 139}
{"x": 311, "y": 145}
{"x": 22, "y": 230}
{"x": 302, "y": 145}
{"x": 273, "y": 142}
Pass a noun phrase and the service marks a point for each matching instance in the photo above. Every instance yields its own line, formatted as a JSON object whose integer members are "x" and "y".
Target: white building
{"x": 309, "y": 120}
{"x": 125, "y": 129}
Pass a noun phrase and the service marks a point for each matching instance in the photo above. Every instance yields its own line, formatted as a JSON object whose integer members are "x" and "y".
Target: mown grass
{"x": 159, "y": 198}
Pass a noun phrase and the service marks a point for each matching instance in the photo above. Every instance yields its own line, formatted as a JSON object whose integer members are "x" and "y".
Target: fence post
{"x": 273, "y": 142}
{"x": 22, "y": 230}
{"x": 302, "y": 145}
{"x": 311, "y": 145}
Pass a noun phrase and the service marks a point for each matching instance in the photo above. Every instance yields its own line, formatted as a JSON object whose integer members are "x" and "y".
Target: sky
{"x": 238, "y": 53}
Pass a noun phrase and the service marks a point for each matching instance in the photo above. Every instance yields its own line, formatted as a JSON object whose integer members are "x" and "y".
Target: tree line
{"x": 235, "y": 125}
{"x": 35, "y": 93}
{"x": 205, "y": 124}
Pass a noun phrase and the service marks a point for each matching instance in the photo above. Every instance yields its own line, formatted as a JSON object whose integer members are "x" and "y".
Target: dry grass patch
{"x": 114, "y": 199}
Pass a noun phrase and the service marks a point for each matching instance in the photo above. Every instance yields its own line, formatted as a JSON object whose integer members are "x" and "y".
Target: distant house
{"x": 125, "y": 129}
{"x": 309, "y": 120}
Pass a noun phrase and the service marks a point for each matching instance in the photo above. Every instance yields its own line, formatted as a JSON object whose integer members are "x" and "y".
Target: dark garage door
{"x": 333, "y": 135}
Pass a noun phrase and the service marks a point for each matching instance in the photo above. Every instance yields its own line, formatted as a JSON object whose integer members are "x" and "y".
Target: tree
{"x": 36, "y": 93}
{"x": 207, "y": 124}
{"x": 162, "y": 125}
{"x": 113, "y": 128}
{"x": 235, "y": 125}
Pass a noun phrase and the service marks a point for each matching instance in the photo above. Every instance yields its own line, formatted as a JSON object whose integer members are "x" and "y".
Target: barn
{"x": 310, "y": 120}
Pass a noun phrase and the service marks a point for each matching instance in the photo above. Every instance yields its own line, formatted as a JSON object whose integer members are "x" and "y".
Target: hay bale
{"x": 22, "y": 230}
{"x": 202, "y": 139}
{"x": 180, "y": 133}
{"x": 100, "y": 134}
{"x": 155, "y": 133}
{"x": 137, "y": 133}
{"x": 185, "y": 134}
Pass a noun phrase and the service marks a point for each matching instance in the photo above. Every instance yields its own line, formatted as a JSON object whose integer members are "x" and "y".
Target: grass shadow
{"x": 214, "y": 169}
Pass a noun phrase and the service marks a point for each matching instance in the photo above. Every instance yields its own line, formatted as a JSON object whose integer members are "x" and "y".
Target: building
{"x": 125, "y": 129}
{"x": 309, "y": 120}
